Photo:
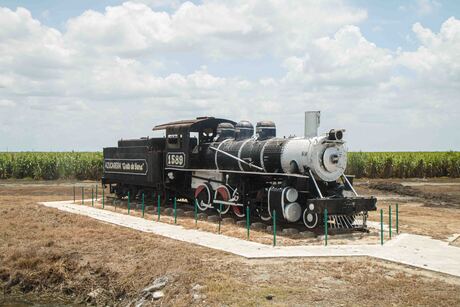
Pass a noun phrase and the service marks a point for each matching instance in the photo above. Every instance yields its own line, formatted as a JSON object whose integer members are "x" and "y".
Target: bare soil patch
{"x": 432, "y": 196}
{"x": 433, "y": 211}
{"x": 45, "y": 251}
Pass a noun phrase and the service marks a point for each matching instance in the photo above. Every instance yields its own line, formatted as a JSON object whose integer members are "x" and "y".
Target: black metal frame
{"x": 348, "y": 205}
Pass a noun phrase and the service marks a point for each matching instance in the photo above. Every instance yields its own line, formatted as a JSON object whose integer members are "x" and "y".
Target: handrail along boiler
{"x": 223, "y": 164}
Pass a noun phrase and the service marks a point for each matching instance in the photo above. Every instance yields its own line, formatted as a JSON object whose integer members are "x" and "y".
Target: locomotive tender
{"x": 224, "y": 166}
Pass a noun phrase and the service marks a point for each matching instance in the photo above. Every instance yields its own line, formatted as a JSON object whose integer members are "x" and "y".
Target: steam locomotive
{"x": 227, "y": 168}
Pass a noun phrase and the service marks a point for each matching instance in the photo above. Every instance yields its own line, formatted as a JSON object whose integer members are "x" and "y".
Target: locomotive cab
{"x": 185, "y": 143}
{"x": 184, "y": 139}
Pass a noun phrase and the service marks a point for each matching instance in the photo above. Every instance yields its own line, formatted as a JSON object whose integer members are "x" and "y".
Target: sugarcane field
{"x": 229, "y": 153}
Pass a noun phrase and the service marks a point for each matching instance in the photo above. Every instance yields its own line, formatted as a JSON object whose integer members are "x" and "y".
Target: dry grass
{"x": 46, "y": 251}
{"x": 325, "y": 282}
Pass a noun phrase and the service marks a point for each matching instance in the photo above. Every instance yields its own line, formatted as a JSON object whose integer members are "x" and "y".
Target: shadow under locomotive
{"x": 226, "y": 168}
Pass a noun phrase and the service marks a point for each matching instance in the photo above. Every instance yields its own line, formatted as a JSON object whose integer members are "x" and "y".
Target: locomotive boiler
{"x": 232, "y": 168}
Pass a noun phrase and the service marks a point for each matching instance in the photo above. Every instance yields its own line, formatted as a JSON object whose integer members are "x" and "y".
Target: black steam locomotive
{"x": 224, "y": 166}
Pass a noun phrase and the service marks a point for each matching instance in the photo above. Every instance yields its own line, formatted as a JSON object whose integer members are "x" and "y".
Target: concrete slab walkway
{"x": 414, "y": 250}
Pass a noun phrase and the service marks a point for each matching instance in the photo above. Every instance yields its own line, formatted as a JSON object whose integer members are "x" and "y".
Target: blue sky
{"x": 385, "y": 18}
{"x": 383, "y": 70}
{"x": 388, "y": 25}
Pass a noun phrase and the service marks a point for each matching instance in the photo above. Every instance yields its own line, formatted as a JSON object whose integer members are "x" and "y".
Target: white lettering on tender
{"x": 124, "y": 166}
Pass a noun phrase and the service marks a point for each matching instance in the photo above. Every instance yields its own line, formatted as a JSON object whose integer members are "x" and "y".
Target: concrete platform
{"x": 414, "y": 250}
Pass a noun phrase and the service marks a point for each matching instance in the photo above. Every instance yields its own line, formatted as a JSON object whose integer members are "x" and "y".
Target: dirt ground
{"x": 45, "y": 251}
{"x": 419, "y": 215}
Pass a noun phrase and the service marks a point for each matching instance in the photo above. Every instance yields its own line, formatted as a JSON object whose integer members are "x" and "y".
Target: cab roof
{"x": 194, "y": 125}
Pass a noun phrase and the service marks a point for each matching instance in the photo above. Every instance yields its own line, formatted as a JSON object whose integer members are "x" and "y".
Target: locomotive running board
{"x": 235, "y": 172}
{"x": 223, "y": 202}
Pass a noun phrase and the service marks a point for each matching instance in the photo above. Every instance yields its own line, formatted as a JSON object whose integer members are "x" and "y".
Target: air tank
{"x": 225, "y": 131}
{"x": 244, "y": 130}
{"x": 265, "y": 130}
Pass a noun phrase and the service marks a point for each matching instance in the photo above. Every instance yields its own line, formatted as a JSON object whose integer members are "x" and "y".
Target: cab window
{"x": 174, "y": 141}
{"x": 207, "y": 135}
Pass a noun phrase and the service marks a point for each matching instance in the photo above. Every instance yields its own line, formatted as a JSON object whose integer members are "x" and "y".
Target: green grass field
{"x": 88, "y": 165}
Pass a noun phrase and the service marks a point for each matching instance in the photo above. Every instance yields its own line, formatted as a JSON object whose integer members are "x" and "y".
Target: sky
{"x": 79, "y": 75}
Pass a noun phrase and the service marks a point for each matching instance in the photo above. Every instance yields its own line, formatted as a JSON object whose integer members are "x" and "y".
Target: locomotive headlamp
{"x": 331, "y": 158}
{"x": 336, "y": 135}
{"x": 334, "y": 159}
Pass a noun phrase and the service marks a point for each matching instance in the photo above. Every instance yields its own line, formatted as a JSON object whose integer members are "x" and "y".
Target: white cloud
{"x": 434, "y": 86}
{"x": 98, "y": 54}
{"x": 426, "y": 7}
{"x": 161, "y": 3}
{"x": 363, "y": 84}
{"x": 346, "y": 58}
{"x": 437, "y": 57}
{"x": 106, "y": 72}
{"x": 215, "y": 28}
{"x": 6, "y": 103}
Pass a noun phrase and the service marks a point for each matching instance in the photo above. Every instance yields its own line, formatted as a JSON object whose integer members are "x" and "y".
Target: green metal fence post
{"x": 143, "y": 208}
{"x": 82, "y": 195}
{"x": 92, "y": 197}
{"x": 129, "y": 202}
{"x": 158, "y": 207}
{"x": 175, "y": 211}
{"x": 103, "y": 198}
{"x": 326, "y": 219}
{"x": 220, "y": 216}
{"x": 381, "y": 226}
{"x": 389, "y": 221}
{"x": 73, "y": 193}
{"x": 196, "y": 212}
{"x": 274, "y": 228}
{"x": 397, "y": 219}
{"x": 247, "y": 221}
{"x": 96, "y": 191}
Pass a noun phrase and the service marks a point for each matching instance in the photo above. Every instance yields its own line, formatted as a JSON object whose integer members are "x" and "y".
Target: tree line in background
{"x": 88, "y": 165}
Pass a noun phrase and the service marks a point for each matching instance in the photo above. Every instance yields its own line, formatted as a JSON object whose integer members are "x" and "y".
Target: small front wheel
{"x": 310, "y": 219}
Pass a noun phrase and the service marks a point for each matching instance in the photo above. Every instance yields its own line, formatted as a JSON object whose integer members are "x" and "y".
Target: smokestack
{"x": 311, "y": 123}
